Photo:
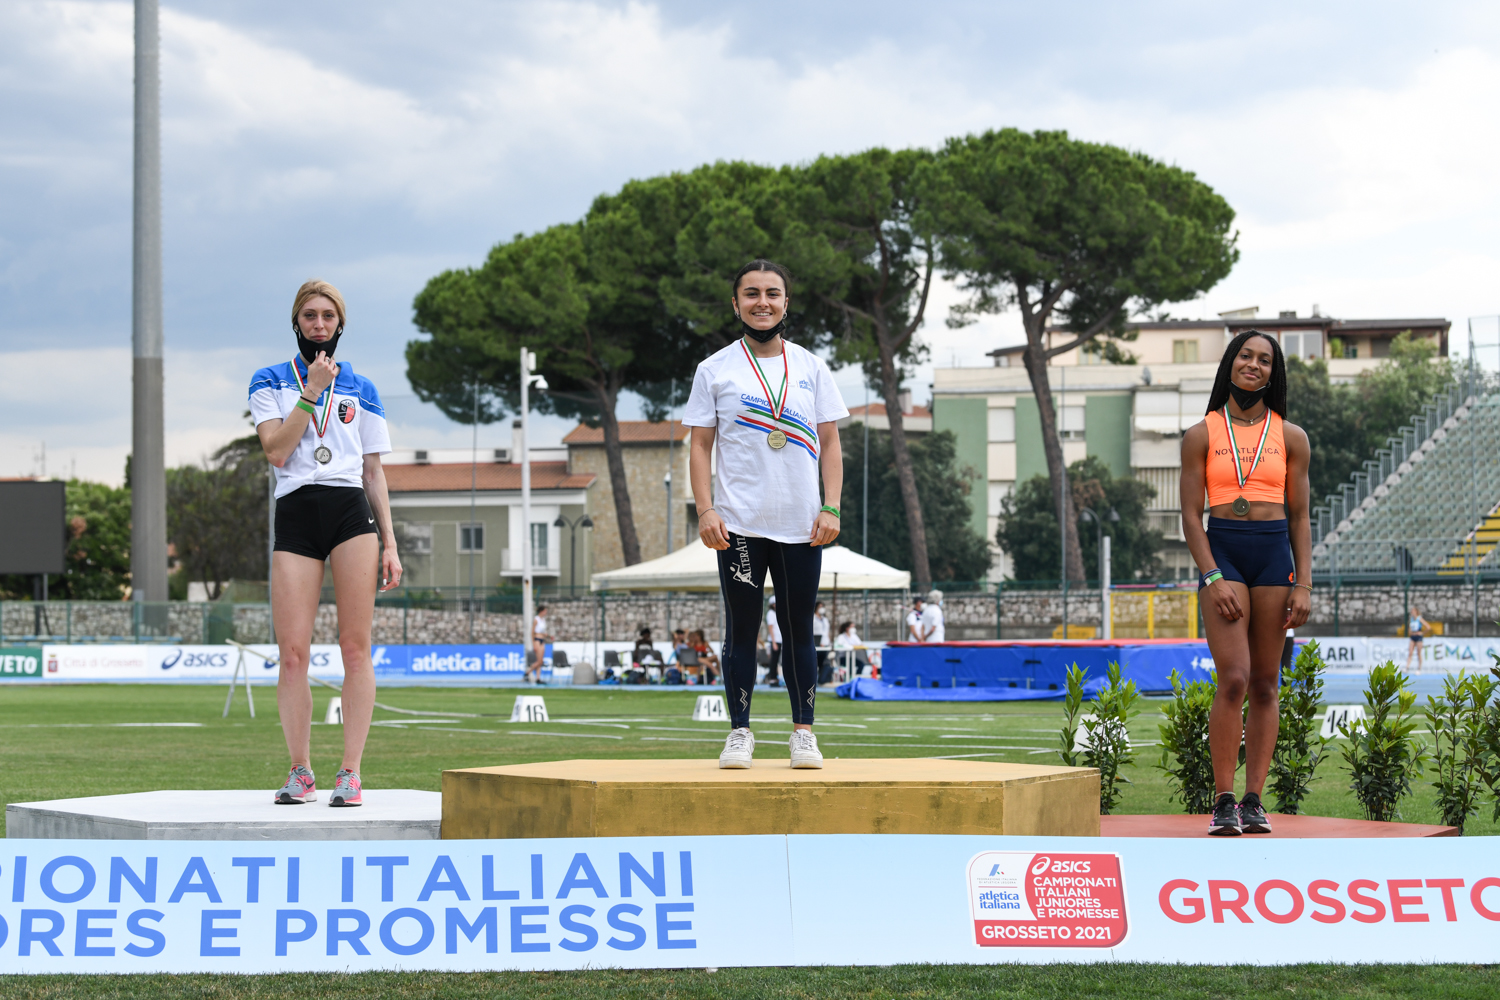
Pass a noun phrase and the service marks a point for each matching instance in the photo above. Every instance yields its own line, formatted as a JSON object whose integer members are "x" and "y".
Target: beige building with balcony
{"x": 1131, "y": 416}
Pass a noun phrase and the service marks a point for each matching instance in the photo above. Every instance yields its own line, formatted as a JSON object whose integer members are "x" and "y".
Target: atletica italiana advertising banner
{"x": 129, "y": 906}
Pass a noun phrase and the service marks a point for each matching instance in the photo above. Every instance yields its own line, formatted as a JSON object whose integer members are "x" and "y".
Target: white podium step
{"x": 387, "y": 814}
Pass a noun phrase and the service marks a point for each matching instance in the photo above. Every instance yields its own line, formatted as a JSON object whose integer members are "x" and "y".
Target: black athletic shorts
{"x": 314, "y": 520}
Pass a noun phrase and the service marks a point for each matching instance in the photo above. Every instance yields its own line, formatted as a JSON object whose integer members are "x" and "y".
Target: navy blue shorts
{"x": 1255, "y": 553}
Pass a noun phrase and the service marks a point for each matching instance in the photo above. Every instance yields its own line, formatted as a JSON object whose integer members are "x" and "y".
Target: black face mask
{"x": 309, "y": 348}
{"x": 1246, "y": 398}
{"x": 763, "y": 336}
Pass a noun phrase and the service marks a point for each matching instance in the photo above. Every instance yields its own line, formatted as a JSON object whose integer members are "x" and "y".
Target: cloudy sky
{"x": 375, "y": 144}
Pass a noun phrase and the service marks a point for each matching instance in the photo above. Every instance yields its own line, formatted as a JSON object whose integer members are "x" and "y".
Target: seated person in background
{"x": 848, "y": 639}
{"x": 644, "y": 656}
{"x": 708, "y": 662}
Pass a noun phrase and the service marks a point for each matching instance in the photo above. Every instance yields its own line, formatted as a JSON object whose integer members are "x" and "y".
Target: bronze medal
{"x": 777, "y": 440}
{"x": 1241, "y": 506}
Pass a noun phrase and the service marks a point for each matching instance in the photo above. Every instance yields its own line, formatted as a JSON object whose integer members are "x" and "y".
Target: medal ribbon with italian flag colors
{"x": 776, "y": 404}
{"x": 1244, "y": 476}
{"x": 320, "y": 424}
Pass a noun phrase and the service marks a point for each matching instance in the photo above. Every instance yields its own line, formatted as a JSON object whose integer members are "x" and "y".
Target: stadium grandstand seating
{"x": 1429, "y": 502}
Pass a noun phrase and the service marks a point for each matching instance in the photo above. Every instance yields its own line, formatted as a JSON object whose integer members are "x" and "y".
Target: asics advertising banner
{"x": 134, "y": 664}
{"x": 183, "y": 906}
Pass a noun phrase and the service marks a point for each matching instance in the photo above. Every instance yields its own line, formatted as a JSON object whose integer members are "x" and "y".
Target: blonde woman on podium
{"x": 772, "y": 411}
{"x": 323, "y": 429}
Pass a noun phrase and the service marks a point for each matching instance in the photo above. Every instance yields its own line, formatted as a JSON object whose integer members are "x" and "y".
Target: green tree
{"x": 874, "y": 290}
{"x": 958, "y": 552}
{"x": 217, "y": 517}
{"x": 1073, "y": 233}
{"x": 585, "y": 298}
{"x": 98, "y": 542}
{"x": 1028, "y": 524}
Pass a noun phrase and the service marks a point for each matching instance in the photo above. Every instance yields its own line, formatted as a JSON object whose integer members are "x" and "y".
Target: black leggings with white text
{"x": 795, "y": 572}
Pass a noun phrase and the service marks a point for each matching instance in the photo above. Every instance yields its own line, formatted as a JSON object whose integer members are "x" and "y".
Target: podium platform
{"x": 1283, "y": 827}
{"x": 240, "y": 814}
{"x": 631, "y": 798}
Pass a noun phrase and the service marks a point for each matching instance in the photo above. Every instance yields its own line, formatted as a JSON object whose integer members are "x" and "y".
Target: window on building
{"x": 1351, "y": 349}
{"x": 1003, "y": 425}
{"x": 539, "y": 545}
{"x": 471, "y": 536}
{"x": 1091, "y": 354}
{"x": 1291, "y": 345}
{"x": 1072, "y": 423}
{"x": 416, "y": 539}
{"x": 1184, "y": 352}
{"x": 999, "y": 490}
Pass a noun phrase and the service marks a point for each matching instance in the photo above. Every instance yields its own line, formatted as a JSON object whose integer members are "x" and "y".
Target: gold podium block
{"x": 634, "y": 798}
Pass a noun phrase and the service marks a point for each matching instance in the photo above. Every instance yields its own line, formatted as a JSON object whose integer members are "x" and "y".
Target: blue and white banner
{"x": 137, "y": 906}
{"x": 462, "y": 665}
{"x": 134, "y": 664}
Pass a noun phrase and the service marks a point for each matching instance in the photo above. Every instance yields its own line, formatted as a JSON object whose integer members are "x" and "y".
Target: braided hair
{"x": 1275, "y": 396}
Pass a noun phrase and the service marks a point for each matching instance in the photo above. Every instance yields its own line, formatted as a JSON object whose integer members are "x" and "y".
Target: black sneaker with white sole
{"x": 1253, "y": 817}
{"x": 1226, "y": 818}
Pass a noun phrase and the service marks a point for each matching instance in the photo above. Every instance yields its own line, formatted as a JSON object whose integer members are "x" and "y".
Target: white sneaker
{"x": 805, "y": 752}
{"x": 738, "y": 749}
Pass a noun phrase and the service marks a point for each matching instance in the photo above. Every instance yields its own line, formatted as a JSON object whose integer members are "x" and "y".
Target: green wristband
{"x": 832, "y": 510}
{"x": 303, "y": 404}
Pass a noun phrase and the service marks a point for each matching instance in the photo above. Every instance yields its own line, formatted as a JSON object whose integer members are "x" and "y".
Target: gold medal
{"x": 777, "y": 440}
{"x": 1241, "y": 506}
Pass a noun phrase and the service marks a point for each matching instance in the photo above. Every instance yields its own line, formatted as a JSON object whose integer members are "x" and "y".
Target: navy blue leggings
{"x": 795, "y": 573}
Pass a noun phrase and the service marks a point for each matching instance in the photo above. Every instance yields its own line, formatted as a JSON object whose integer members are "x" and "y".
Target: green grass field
{"x": 65, "y": 741}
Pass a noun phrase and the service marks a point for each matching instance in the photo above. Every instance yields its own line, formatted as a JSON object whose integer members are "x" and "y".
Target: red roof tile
{"x": 456, "y": 476}
{"x": 631, "y": 432}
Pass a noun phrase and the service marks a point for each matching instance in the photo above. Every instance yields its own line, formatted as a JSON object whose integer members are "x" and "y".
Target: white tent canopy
{"x": 696, "y": 567}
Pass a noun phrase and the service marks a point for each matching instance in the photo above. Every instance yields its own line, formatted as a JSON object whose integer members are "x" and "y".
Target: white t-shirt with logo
{"x": 932, "y": 618}
{"x": 356, "y": 427}
{"x": 762, "y": 492}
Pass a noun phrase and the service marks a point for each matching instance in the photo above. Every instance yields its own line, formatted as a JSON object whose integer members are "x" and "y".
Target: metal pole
{"x": 527, "y": 599}
{"x": 1473, "y": 485}
{"x": 671, "y": 441}
{"x": 148, "y": 480}
{"x": 1062, "y": 497}
{"x": 1105, "y": 609}
{"x": 473, "y": 505}
{"x": 864, "y": 502}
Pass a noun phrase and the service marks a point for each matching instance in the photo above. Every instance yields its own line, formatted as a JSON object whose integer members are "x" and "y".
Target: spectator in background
{"x": 821, "y": 629}
{"x": 848, "y": 639}
{"x": 773, "y": 643}
{"x": 932, "y": 618}
{"x": 539, "y": 640}
{"x": 708, "y": 662}
{"x": 1416, "y": 626}
{"x": 914, "y": 621}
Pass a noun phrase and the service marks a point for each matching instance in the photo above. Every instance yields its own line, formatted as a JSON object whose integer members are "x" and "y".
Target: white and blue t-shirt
{"x": 764, "y": 493}
{"x": 356, "y": 427}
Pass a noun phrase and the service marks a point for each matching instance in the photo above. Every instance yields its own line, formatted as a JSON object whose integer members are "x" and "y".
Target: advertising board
{"x": 653, "y": 902}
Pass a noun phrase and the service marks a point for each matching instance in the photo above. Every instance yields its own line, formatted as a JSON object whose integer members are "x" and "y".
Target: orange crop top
{"x": 1267, "y": 483}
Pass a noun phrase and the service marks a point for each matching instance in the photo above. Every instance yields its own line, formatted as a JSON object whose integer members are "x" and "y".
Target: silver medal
{"x": 322, "y": 454}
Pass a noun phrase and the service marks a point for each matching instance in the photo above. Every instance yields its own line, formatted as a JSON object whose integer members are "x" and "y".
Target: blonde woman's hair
{"x": 312, "y": 289}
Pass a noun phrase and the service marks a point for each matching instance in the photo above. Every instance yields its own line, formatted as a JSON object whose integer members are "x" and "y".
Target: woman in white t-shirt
{"x": 772, "y": 411}
{"x": 323, "y": 429}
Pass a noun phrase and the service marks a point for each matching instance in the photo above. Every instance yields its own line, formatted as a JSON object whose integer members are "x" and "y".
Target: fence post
{"x": 999, "y": 589}
{"x": 405, "y": 614}
{"x": 1151, "y": 615}
{"x": 1337, "y": 586}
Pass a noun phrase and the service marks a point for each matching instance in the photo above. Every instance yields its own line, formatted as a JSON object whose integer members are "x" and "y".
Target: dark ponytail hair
{"x": 1275, "y": 395}
{"x": 758, "y": 264}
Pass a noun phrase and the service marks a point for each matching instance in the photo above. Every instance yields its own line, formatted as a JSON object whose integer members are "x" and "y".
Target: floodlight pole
{"x": 148, "y": 481}
{"x": 528, "y": 602}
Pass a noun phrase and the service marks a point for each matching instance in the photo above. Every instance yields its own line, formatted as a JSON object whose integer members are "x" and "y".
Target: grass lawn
{"x": 928, "y": 982}
{"x": 80, "y": 740}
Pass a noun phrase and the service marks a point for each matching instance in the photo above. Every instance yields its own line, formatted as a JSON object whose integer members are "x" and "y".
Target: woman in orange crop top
{"x": 1255, "y": 558}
